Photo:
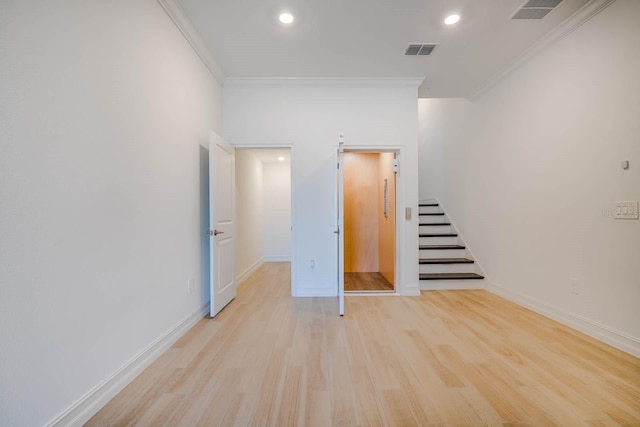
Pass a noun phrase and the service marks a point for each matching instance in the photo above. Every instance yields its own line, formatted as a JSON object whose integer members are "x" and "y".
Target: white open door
{"x": 221, "y": 214}
{"x": 340, "y": 229}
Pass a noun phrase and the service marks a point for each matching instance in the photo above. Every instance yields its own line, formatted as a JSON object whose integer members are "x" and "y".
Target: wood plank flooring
{"x": 446, "y": 358}
{"x": 375, "y": 282}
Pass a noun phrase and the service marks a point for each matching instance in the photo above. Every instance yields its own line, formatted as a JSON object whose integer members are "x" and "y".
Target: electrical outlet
{"x": 574, "y": 287}
{"x": 313, "y": 263}
{"x": 626, "y": 210}
{"x": 190, "y": 285}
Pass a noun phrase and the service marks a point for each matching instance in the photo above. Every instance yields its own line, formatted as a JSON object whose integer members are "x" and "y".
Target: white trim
{"x": 584, "y": 14}
{"x": 189, "y": 31}
{"x": 281, "y": 258}
{"x": 411, "y": 291}
{"x": 245, "y": 274}
{"x": 370, "y": 294}
{"x": 452, "y": 285}
{"x": 316, "y": 292}
{"x": 413, "y": 82}
{"x": 618, "y": 339}
{"x": 88, "y": 405}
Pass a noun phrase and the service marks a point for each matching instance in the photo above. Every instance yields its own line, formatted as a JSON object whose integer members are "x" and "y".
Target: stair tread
{"x": 434, "y": 223}
{"x": 449, "y": 276}
{"x": 432, "y": 214}
{"x": 438, "y": 235}
{"x": 428, "y": 204}
{"x": 446, "y": 261}
{"x": 441, "y": 247}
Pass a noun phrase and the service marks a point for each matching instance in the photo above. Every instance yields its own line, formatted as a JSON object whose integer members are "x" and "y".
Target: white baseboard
{"x": 617, "y": 339}
{"x": 242, "y": 276}
{"x": 89, "y": 404}
{"x": 316, "y": 292}
{"x": 284, "y": 258}
{"x": 412, "y": 290}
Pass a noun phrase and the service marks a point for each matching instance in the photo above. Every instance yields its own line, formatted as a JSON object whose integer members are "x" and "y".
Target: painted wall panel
{"x": 105, "y": 115}
{"x": 277, "y": 211}
{"x": 310, "y": 117}
{"x": 250, "y": 212}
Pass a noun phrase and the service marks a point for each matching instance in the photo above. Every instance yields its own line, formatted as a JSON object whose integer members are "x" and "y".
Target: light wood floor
{"x": 448, "y": 358}
{"x": 366, "y": 282}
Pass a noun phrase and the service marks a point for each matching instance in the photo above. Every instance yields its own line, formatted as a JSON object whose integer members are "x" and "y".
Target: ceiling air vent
{"x": 420, "y": 49}
{"x": 535, "y": 9}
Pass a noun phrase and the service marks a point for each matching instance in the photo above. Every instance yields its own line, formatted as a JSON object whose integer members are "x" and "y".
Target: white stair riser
{"x": 427, "y": 285}
{"x": 439, "y": 240}
{"x": 429, "y": 209}
{"x": 432, "y": 218}
{"x": 442, "y": 253}
{"x": 447, "y": 268}
{"x": 435, "y": 229}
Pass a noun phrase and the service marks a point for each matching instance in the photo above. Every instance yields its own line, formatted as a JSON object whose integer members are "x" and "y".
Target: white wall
{"x": 250, "y": 213}
{"x": 277, "y": 211}
{"x": 103, "y": 112}
{"x": 528, "y": 170}
{"x": 310, "y": 116}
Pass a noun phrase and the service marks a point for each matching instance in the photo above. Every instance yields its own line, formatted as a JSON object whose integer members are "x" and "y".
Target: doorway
{"x": 263, "y": 208}
{"x": 369, "y": 221}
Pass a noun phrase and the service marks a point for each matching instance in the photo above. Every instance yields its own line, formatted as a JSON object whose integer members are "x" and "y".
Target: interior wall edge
{"x": 193, "y": 37}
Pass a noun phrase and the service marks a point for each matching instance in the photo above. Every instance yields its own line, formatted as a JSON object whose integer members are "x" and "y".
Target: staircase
{"x": 445, "y": 262}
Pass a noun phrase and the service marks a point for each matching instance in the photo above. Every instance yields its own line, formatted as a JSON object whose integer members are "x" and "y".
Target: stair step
{"x": 441, "y": 247}
{"x": 428, "y": 204}
{"x": 450, "y": 276}
{"x": 432, "y": 213}
{"x": 438, "y": 235}
{"x": 446, "y": 261}
{"x": 434, "y": 223}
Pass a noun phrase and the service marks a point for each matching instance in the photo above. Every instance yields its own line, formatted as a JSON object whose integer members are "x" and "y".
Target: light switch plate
{"x": 626, "y": 210}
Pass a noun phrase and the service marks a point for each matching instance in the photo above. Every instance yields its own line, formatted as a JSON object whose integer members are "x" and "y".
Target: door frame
{"x": 399, "y": 287}
{"x": 289, "y": 147}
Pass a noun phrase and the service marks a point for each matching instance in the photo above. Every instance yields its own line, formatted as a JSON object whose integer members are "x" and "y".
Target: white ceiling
{"x": 368, "y": 38}
{"x": 270, "y": 155}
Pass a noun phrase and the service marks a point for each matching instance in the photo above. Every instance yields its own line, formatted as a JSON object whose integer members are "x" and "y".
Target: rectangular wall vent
{"x": 420, "y": 49}
{"x": 535, "y": 9}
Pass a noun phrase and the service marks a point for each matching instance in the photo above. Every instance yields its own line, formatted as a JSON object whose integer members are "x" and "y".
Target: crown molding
{"x": 583, "y": 15}
{"x": 189, "y": 31}
{"x": 413, "y": 82}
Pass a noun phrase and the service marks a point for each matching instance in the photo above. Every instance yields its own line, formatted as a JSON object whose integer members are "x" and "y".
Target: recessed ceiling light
{"x": 281, "y": 159}
{"x": 286, "y": 18}
{"x": 451, "y": 19}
